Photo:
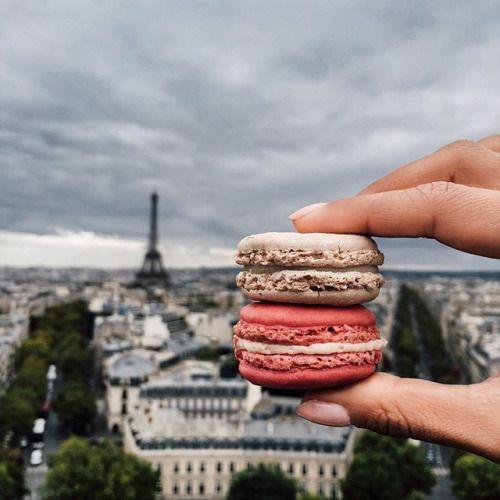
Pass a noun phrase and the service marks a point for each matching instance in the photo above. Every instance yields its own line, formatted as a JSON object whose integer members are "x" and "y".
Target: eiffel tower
{"x": 152, "y": 272}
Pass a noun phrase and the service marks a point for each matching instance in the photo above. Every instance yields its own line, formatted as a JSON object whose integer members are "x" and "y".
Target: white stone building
{"x": 197, "y": 457}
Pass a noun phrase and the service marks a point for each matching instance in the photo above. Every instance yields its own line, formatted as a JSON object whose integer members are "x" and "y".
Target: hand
{"x": 453, "y": 196}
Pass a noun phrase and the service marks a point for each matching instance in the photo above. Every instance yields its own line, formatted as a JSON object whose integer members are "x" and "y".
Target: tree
{"x": 262, "y": 481}
{"x": 80, "y": 471}
{"x": 312, "y": 496}
{"x": 19, "y": 411}
{"x": 372, "y": 475}
{"x": 37, "y": 346}
{"x": 73, "y": 357}
{"x": 33, "y": 375}
{"x": 75, "y": 406}
{"x": 228, "y": 367}
{"x": 208, "y": 353}
{"x": 6, "y": 482}
{"x": 12, "y": 485}
{"x": 386, "y": 468}
{"x": 475, "y": 478}
{"x": 416, "y": 495}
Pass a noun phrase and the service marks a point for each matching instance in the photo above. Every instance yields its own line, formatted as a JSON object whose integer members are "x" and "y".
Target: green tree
{"x": 32, "y": 374}
{"x": 262, "y": 481}
{"x": 373, "y": 475}
{"x": 475, "y": 478}
{"x": 416, "y": 495}
{"x": 75, "y": 406}
{"x": 7, "y": 484}
{"x": 37, "y": 346}
{"x": 12, "y": 485}
{"x": 386, "y": 468}
{"x": 81, "y": 471}
{"x": 19, "y": 411}
{"x": 228, "y": 367}
{"x": 208, "y": 353}
{"x": 73, "y": 356}
{"x": 312, "y": 496}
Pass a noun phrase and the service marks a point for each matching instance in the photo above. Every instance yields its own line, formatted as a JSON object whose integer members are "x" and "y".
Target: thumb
{"x": 457, "y": 415}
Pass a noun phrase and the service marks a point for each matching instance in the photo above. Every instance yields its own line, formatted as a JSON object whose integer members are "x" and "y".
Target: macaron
{"x": 309, "y": 268}
{"x": 305, "y": 347}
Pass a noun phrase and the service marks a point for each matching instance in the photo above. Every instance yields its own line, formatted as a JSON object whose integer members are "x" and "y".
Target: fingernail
{"x": 324, "y": 413}
{"x": 305, "y": 210}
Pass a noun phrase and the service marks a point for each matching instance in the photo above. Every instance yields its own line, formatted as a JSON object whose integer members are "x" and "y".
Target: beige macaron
{"x": 309, "y": 268}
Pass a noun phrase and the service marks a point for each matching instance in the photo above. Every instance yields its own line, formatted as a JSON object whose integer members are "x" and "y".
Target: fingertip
{"x": 325, "y": 413}
{"x": 345, "y": 215}
{"x": 305, "y": 210}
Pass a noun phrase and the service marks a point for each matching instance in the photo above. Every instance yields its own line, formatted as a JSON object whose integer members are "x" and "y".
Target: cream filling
{"x": 315, "y": 270}
{"x": 321, "y": 348}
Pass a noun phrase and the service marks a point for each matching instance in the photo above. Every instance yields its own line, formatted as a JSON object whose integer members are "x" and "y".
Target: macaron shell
{"x": 288, "y": 335}
{"x": 331, "y": 298}
{"x": 292, "y": 362}
{"x": 305, "y": 241}
{"x": 305, "y": 378}
{"x": 265, "y": 313}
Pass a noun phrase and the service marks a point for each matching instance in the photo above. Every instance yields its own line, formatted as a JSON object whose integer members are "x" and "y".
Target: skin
{"x": 453, "y": 196}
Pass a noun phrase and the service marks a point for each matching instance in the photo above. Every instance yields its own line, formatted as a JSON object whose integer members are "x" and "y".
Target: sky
{"x": 237, "y": 113}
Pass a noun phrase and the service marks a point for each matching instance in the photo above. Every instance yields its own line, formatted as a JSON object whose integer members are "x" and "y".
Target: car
{"x": 39, "y": 426}
{"x": 46, "y": 407}
{"x": 52, "y": 373}
{"x": 36, "y": 457}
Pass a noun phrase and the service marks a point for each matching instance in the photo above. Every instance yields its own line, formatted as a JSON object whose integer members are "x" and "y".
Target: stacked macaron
{"x": 308, "y": 329}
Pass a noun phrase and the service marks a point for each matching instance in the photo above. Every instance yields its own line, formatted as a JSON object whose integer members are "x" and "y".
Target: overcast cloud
{"x": 237, "y": 113}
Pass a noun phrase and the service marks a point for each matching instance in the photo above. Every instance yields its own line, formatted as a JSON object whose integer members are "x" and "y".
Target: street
{"x": 436, "y": 455}
{"x": 35, "y": 476}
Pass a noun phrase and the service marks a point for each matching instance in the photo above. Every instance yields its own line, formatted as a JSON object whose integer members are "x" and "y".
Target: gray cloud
{"x": 237, "y": 113}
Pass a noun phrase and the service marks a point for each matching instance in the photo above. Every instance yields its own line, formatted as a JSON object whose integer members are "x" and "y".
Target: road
{"x": 436, "y": 455}
{"x": 35, "y": 476}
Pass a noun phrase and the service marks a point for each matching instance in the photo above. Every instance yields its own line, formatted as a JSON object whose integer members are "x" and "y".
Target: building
{"x": 198, "y": 429}
{"x": 197, "y": 457}
{"x": 215, "y": 325}
{"x": 14, "y": 328}
{"x": 469, "y": 314}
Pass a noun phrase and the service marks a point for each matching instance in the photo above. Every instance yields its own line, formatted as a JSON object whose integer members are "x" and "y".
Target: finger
{"x": 464, "y": 162}
{"x": 456, "y": 415}
{"x": 491, "y": 142}
{"x": 461, "y": 217}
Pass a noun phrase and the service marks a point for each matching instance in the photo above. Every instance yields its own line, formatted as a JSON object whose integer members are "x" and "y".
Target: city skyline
{"x": 233, "y": 117}
{"x": 86, "y": 249}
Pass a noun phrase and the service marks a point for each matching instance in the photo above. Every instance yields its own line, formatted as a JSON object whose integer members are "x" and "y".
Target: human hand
{"x": 453, "y": 196}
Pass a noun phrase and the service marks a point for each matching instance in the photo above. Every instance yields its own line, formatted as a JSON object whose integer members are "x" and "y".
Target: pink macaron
{"x": 304, "y": 347}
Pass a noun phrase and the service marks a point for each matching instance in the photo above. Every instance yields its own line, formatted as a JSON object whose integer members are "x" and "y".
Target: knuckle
{"x": 465, "y": 154}
{"x": 389, "y": 420}
{"x": 491, "y": 387}
{"x": 388, "y": 417}
{"x": 436, "y": 189}
{"x": 461, "y": 147}
{"x": 493, "y": 138}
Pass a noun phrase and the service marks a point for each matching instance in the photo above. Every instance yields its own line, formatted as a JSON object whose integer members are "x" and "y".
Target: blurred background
{"x": 138, "y": 143}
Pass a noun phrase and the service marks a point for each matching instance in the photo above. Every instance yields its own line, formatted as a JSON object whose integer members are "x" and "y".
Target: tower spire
{"x": 153, "y": 223}
{"x": 152, "y": 272}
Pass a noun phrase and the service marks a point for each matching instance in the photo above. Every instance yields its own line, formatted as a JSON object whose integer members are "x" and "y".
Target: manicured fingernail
{"x": 324, "y": 413}
{"x": 305, "y": 210}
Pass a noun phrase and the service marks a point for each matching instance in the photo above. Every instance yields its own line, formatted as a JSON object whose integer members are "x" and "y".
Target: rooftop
{"x": 131, "y": 366}
{"x": 168, "y": 428}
